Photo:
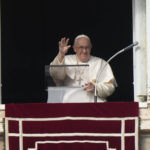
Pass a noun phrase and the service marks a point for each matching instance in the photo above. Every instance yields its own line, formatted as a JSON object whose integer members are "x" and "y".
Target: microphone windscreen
{"x": 136, "y": 43}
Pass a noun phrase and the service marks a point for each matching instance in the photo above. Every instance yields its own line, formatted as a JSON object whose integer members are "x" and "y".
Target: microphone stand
{"x": 107, "y": 62}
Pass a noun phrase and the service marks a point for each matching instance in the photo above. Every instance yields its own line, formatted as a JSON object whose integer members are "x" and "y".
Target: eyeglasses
{"x": 82, "y": 48}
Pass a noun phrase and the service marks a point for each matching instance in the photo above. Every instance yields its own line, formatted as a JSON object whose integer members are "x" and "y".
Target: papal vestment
{"x": 78, "y": 76}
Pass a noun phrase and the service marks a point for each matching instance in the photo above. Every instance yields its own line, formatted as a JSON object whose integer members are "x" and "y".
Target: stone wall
{"x": 144, "y": 132}
{"x": 2, "y": 115}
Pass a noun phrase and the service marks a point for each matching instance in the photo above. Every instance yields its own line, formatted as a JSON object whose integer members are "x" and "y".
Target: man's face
{"x": 82, "y": 48}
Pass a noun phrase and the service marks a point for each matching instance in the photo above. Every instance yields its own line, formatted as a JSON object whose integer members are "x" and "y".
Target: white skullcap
{"x": 81, "y": 36}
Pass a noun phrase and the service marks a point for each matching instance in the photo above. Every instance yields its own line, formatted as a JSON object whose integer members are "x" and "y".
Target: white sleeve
{"x": 57, "y": 73}
{"x": 107, "y": 83}
{"x": 105, "y": 89}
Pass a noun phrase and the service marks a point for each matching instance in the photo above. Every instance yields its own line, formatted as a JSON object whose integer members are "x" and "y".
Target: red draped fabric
{"x": 84, "y": 125}
{"x": 75, "y": 145}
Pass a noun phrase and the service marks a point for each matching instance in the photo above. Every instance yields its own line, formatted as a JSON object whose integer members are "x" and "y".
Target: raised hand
{"x": 63, "y": 46}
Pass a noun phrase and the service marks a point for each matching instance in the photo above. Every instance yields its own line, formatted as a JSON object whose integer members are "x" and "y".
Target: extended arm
{"x": 58, "y": 73}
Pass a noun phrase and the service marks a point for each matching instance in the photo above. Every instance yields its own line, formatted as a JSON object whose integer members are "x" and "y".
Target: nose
{"x": 84, "y": 50}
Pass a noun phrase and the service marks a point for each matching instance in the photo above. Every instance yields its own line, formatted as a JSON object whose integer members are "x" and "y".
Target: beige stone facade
{"x": 2, "y": 115}
{"x": 144, "y": 128}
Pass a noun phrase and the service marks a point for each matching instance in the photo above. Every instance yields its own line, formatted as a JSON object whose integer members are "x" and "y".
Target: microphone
{"x": 112, "y": 57}
{"x": 130, "y": 46}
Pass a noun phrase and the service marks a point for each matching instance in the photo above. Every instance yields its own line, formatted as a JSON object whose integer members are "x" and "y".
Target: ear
{"x": 74, "y": 49}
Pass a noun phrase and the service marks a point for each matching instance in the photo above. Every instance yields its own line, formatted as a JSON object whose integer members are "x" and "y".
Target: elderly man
{"x": 84, "y": 76}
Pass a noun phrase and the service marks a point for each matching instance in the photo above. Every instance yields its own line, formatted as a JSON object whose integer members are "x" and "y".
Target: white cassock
{"x": 74, "y": 78}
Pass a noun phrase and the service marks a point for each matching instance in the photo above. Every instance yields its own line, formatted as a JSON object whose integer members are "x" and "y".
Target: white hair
{"x": 81, "y": 36}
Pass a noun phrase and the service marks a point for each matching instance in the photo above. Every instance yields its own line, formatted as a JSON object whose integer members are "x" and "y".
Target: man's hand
{"x": 89, "y": 87}
{"x": 63, "y": 48}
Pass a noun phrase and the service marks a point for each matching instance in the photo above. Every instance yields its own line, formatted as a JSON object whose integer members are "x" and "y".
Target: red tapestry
{"x": 72, "y": 145}
{"x": 103, "y": 126}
